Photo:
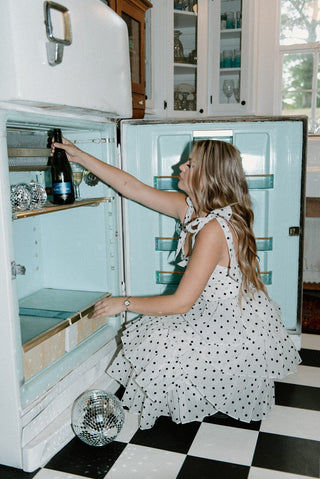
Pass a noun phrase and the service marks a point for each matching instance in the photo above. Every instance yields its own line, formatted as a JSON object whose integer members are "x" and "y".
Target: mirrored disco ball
{"x": 20, "y": 197}
{"x": 97, "y": 417}
{"x": 38, "y": 196}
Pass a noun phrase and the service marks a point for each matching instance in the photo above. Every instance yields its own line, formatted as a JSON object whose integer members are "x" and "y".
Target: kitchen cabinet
{"x": 198, "y": 35}
{"x": 187, "y": 34}
{"x": 133, "y": 13}
{"x": 230, "y": 61}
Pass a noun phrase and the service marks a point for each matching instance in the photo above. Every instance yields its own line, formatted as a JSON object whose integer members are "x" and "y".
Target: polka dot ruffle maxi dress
{"x": 223, "y": 355}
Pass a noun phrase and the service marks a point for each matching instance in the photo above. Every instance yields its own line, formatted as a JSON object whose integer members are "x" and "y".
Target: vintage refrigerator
{"x": 57, "y": 261}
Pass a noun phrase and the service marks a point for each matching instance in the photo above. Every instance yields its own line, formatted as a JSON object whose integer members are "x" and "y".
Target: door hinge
{"x": 17, "y": 269}
{"x": 165, "y": 105}
{"x": 294, "y": 231}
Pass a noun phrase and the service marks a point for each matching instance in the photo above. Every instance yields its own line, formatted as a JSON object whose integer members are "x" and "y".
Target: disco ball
{"x": 20, "y": 197}
{"x": 97, "y": 417}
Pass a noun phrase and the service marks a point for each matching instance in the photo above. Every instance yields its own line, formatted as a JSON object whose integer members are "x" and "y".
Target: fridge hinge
{"x": 294, "y": 231}
{"x": 17, "y": 269}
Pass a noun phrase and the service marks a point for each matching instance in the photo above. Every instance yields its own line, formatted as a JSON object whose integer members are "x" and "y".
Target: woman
{"x": 217, "y": 343}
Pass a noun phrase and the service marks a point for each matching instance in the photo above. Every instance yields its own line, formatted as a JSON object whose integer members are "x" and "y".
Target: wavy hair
{"x": 218, "y": 181}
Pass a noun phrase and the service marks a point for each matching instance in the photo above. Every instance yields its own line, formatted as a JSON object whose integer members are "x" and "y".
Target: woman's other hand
{"x": 109, "y": 306}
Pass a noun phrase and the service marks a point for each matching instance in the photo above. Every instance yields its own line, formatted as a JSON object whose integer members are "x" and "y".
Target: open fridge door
{"x": 273, "y": 154}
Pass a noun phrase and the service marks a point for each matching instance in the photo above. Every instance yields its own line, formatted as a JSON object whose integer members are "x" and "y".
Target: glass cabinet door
{"x": 229, "y": 58}
{"x": 230, "y": 51}
{"x": 185, "y": 58}
{"x": 187, "y": 47}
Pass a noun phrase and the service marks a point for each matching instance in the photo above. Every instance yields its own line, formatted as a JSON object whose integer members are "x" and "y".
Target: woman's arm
{"x": 210, "y": 249}
{"x": 170, "y": 203}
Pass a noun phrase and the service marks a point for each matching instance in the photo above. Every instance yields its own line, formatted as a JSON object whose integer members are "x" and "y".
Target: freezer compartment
{"x": 94, "y": 71}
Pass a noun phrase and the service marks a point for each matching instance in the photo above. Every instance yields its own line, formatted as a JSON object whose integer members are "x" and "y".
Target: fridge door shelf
{"x": 174, "y": 277}
{"x": 50, "y": 208}
{"x": 170, "y": 244}
{"x": 254, "y": 182}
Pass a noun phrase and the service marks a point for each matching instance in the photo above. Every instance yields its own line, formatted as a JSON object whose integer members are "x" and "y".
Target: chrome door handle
{"x": 55, "y": 44}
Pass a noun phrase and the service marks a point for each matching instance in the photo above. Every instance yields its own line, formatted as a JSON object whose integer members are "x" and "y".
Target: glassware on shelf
{"x": 228, "y": 88}
{"x": 237, "y": 58}
{"x": 227, "y": 58}
{"x": 77, "y": 176}
{"x": 223, "y": 24}
{"x": 236, "y": 92}
{"x": 238, "y": 19}
{"x": 192, "y": 58}
{"x": 230, "y": 20}
{"x": 178, "y": 47}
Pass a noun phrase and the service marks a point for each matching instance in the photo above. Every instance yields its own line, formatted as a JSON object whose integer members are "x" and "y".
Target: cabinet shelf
{"x": 184, "y": 19}
{"x": 230, "y": 33}
{"x": 182, "y": 65}
{"x": 230, "y": 70}
{"x": 50, "y": 208}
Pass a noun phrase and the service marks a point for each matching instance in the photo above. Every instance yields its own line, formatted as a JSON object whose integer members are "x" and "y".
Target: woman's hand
{"x": 73, "y": 153}
{"x": 109, "y": 307}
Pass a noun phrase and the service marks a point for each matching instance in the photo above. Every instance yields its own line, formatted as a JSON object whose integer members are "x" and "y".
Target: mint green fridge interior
{"x": 273, "y": 155}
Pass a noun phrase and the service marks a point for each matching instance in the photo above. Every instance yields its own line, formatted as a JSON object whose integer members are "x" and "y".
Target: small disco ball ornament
{"x": 20, "y": 197}
{"x": 38, "y": 196}
{"x": 97, "y": 417}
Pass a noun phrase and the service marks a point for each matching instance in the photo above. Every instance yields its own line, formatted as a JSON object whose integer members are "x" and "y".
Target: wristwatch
{"x": 127, "y": 302}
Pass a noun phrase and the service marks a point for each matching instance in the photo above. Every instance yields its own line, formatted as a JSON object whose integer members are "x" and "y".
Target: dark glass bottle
{"x": 62, "y": 184}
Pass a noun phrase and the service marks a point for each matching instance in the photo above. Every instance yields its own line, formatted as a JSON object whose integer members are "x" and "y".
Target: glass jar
{"x": 177, "y": 47}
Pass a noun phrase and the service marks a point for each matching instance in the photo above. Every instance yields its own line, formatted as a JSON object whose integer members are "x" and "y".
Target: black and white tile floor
{"x": 284, "y": 446}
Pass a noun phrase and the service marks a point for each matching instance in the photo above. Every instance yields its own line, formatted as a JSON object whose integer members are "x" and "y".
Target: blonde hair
{"x": 219, "y": 181}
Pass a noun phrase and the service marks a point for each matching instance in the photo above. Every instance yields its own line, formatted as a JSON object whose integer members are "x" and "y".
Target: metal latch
{"x": 17, "y": 269}
{"x": 294, "y": 231}
{"x": 55, "y": 45}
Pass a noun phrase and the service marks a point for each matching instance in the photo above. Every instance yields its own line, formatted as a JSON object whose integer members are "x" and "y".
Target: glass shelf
{"x": 48, "y": 311}
{"x": 254, "y": 182}
{"x": 50, "y": 208}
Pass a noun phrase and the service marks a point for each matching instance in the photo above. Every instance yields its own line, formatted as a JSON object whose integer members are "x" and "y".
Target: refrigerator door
{"x": 273, "y": 157}
{"x": 74, "y": 55}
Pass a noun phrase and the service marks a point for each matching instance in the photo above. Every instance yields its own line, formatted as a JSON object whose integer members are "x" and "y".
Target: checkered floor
{"x": 284, "y": 446}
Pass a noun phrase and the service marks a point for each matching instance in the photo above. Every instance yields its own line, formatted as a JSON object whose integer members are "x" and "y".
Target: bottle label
{"x": 62, "y": 188}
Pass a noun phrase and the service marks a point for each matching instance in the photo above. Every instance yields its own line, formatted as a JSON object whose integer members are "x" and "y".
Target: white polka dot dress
{"x": 223, "y": 355}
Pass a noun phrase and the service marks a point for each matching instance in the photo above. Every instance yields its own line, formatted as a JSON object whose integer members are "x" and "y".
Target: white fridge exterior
{"x": 94, "y": 73}
{"x": 84, "y": 249}
{"x": 77, "y": 79}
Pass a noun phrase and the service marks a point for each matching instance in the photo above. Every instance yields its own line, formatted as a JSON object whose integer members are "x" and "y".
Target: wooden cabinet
{"x": 133, "y": 13}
